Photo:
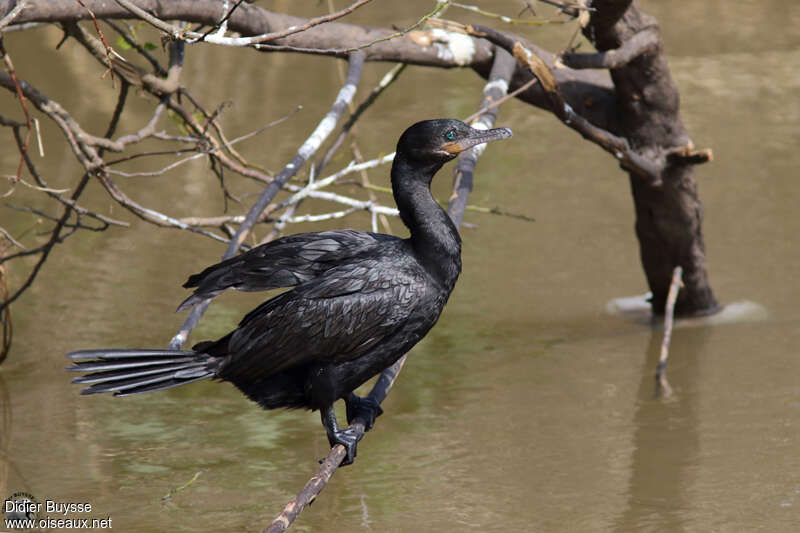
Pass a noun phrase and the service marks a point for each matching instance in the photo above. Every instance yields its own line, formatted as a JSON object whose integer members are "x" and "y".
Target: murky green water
{"x": 528, "y": 407}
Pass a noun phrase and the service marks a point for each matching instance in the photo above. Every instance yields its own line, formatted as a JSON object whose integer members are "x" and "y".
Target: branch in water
{"x": 672, "y": 296}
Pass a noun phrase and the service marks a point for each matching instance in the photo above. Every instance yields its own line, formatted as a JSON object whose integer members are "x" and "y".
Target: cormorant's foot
{"x": 365, "y": 408}
{"x": 349, "y": 439}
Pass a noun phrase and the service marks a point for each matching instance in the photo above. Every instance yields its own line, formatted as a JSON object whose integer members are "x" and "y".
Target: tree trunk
{"x": 669, "y": 213}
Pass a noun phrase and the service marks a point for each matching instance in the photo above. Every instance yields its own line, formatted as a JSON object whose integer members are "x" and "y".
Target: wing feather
{"x": 338, "y": 318}
{"x": 285, "y": 262}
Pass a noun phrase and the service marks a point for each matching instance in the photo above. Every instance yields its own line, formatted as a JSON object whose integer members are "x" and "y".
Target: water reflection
{"x": 665, "y": 437}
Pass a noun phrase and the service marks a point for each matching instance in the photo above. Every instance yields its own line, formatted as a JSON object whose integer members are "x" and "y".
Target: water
{"x": 528, "y": 407}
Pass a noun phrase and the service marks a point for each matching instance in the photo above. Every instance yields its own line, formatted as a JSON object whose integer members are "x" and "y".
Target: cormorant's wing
{"x": 353, "y": 309}
{"x": 285, "y": 262}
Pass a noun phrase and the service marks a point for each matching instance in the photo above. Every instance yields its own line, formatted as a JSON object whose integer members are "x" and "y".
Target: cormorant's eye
{"x": 450, "y": 135}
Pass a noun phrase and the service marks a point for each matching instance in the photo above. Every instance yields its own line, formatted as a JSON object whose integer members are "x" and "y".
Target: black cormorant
{"x": 360, "y": 301}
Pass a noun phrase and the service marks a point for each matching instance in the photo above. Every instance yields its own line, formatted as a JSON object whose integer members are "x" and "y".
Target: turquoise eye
{"x": 450, "y": 135}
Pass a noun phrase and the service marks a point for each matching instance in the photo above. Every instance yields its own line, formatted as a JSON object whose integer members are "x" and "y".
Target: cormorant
{"x": 360, "y": 301}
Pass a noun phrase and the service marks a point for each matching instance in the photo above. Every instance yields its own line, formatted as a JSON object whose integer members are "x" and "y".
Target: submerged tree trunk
{"x": 668, "y": 213}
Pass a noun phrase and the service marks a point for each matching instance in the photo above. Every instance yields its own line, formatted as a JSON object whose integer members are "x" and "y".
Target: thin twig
{"x": 319, "y": 184}
{"x": 168, "y": 496}
{"x": 214, "y": 38}
{"x": 131, "y": 40}
{"x": 17, "y": 87}
{"x": 669, "y": 311}
{"x": 106, "y": 46}
{"x": 440, "y": 5}
{"x": 508, "y": 20}
{"x": 9, "y": 18}
{"x": 504, "y": 99}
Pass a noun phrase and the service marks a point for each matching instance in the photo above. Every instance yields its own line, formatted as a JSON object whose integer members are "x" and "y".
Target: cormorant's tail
{"x": 126, "y": 372}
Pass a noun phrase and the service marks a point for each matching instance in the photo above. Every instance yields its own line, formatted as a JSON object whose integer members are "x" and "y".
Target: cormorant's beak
{"x": 475, "y": 138}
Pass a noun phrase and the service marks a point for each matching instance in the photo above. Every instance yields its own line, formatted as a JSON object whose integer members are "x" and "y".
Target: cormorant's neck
{"x": 434, "y": 237}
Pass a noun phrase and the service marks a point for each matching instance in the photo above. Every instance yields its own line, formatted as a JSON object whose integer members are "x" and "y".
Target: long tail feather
{"x": 126, "y": 372}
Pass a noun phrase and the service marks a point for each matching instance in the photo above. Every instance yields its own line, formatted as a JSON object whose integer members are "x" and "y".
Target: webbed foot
{"x": 365, "y": 408}
{"x": 348, "y": 437}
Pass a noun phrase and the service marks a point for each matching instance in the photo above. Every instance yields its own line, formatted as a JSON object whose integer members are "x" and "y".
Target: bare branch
{"x": 131, "y": 40}
{"x": 510, "y": 20}
{"x": 9, "y": 18}
{"x": 55, "y": 237}
{"x": 177, "y": 33}
{"x": 319, "y": 184}
{"x": 669, "y": 311}
{"x": 133, "y": 74}
{"x": 589, "y": 92}
{"x": 12, "y": 75}
{"x": 501, "y": 101}
{"x": 10, "y": 238}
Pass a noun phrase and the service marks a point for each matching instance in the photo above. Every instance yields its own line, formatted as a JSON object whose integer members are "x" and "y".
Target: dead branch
{"x": 11, "y": 15}
{"x": 511, "y": 20}
{"x": 12, "y": 74}
{"x": 55, "y": 237}
{"x": 178, "y": 34}
{"x": 669, "y": 311}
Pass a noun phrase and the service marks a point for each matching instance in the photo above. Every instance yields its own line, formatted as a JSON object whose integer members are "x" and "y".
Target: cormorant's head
{"x": 440, "y": 140}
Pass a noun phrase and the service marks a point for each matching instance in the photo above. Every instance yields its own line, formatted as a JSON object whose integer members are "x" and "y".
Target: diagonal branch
{"x": 669, "y": 312}
{"x": 9, "y": 18}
